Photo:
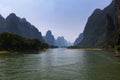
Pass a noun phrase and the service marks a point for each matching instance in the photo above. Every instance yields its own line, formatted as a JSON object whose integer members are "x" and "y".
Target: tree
{"x": 13, "y": 42}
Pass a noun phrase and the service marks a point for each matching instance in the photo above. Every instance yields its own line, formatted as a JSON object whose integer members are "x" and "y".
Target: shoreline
{"x": 87, "y": 49}
{"x": 4, "y": 52}
{"x": 16, "y": 52}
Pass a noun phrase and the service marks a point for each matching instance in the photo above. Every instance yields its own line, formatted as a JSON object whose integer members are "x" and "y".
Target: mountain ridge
{"x": 16, "y": 25}
{"x": 95, "y": 29}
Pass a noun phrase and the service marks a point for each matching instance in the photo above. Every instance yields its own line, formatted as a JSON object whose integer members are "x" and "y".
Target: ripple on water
{"x": 60, "y": 64}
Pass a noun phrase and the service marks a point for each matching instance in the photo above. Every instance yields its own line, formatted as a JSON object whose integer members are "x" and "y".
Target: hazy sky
{"x": 63, "y": 17}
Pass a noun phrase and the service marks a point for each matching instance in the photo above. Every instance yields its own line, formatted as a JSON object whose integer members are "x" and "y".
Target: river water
{"x": 60, "y": 64}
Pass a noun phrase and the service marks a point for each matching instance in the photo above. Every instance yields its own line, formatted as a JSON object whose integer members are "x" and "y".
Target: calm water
{"x": 60, "y": 64}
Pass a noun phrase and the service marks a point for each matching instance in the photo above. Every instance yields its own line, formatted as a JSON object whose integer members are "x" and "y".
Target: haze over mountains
{"x": 16, "y": 25}
{"x": 100, "y": 30}
{"x": 60, "y": 41}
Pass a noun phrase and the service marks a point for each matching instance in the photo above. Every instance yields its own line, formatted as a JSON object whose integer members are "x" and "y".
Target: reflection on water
{"x": 60, "y": 64}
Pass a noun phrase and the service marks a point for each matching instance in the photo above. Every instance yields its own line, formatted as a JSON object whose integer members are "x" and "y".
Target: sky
{"x": 63, "y": 17}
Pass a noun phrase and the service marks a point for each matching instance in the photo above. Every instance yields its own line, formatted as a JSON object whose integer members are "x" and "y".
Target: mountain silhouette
{"x": 16, "y": 25}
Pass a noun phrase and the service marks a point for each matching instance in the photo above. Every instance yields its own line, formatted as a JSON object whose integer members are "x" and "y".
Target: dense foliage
{"x": 13, "y": 42}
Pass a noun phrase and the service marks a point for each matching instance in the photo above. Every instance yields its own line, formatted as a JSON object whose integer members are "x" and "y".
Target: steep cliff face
{"x": 78, "y": 40}
{"x": 20, "y": 26}
{"x": 95, "y": 31}
{"x": 117, "y": 13}
{"x": 117, "y": 25}
{"x": 49, "y": 38}
{"x": 113, "y": 27}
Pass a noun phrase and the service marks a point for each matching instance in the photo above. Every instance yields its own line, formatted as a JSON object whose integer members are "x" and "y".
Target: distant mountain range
{"x": 60, "y": 41}
{"x": 16, "y": 25}
{"x": 20, "y": 26}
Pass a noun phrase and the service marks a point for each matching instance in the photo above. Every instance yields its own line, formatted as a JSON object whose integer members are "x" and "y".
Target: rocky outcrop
{"x": 20, "y": 26}
{"x": 49, "y": 38}
{"x": 78, "y": 40}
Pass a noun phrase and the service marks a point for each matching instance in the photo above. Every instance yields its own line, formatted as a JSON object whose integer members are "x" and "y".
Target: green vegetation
{"x": 13, "y": 42}
{"x": 117, "y": 42}
{"x": 4, "y": 52}
{"x": 52, "y": 46}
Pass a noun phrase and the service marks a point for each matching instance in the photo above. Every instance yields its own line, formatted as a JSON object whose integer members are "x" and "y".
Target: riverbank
{"x": 4, "y": 52}
{"x": 25, "y": 52}
{"x": 117, "y": 54}
{"x": 85, "y": 48}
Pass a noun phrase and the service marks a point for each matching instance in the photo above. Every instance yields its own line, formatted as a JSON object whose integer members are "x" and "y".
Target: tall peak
{"x": 12, "y": 15}
{"x": 23, "y": 20}
{"x": 49, "y": 32}
{"x": 96, "y": 11}
{"x": 49, "y": 38}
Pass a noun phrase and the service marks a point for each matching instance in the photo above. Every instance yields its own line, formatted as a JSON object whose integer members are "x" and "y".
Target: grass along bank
{"x": 4, "y": 52}
{"x": 84, "y": 48}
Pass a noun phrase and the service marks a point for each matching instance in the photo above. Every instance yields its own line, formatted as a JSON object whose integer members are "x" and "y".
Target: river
{"x": 60, "y": 64}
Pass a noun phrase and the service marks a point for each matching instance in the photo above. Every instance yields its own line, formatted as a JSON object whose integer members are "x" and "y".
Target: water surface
{"x": 60, "y": 64}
